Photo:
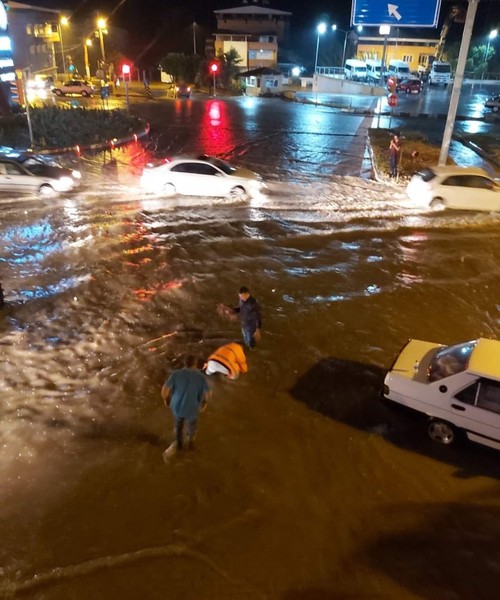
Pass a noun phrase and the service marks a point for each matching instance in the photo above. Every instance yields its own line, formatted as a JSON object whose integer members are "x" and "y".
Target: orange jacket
{"x": 231, "y": 356}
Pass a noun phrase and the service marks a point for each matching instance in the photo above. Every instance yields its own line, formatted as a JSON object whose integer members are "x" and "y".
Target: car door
{"x": 456, "y": 192}
{"x": 485, "y": 194}
{"x": 477, "y": 407}
{"x": 199, "y": 179}
{"x": 16, "y": 179}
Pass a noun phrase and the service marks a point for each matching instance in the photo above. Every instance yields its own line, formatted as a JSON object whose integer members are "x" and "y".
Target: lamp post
{"x": 492, "y": 35}
{"x": 384, "y": 30}
{"x": 321, "y": 28}
{"x": 101, "y": 28}
{"x": 62, "y": 21}
{"x": 359, "y": 29}
{"x": 86, "y": 44}
{"x": 194, "y": 37}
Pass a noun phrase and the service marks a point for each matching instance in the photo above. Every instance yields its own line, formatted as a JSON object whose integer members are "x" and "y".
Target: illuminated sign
{"x": 3, "y": 16}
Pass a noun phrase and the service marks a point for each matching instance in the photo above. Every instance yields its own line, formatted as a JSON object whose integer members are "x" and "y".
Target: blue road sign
{"x": 397, "y": 13}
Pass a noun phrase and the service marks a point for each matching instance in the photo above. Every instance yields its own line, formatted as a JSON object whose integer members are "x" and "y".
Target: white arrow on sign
{"x": 393, "y": 11}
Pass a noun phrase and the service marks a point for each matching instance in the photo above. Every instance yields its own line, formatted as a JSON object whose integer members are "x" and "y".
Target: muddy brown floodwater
{"x": 303, "y": 486}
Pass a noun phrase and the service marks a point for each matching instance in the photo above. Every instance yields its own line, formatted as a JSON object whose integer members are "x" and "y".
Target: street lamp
{"x": 359, "y": 29}
{"x": 86, "y": 45}
{"x": 492, "y": 35}
{"x": 62, "y": 21}
{"x": 384, "y": 30}
{"x": 101, "y": 28}
{"x": 321, "y": 28}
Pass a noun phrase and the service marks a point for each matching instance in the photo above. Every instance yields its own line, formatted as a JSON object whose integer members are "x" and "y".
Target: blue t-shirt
{"x": 188, "y": 387}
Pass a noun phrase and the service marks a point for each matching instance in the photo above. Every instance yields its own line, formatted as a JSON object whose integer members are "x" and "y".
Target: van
{"x": 399, "y": 69}
{"x": 373, "y": 68}
{"x": 355, "y": 69}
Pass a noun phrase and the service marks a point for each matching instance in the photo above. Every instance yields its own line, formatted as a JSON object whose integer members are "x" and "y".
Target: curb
{"x": 109, "y": 145}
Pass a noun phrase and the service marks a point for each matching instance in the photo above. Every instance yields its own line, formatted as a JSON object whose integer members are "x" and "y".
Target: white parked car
{"x": 462, "y": 188}
{"x": 28, "y": 175}
{"x": 74, "y": 86}
{"x": 202, "y": 176}
{"x": 456, "y": 387}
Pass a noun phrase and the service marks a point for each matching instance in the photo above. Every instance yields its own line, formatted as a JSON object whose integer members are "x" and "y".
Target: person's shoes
{"x": 170, "y": 451}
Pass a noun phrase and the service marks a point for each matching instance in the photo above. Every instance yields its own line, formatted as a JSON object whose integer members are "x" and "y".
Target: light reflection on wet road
{"x": 303, "y": 485}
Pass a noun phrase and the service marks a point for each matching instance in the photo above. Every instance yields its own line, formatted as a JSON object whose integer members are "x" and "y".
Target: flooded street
{"x": 303, "y": 486}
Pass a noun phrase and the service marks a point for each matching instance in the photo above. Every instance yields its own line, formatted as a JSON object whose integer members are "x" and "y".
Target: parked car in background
{"x": 493, "y": 103}
{"x": 201, "y": 176}
{"x": 80, "y": 87}
{"x": 456, "y": 388}
{"x": 409, "y": 86}
{"x": 463, "y": 188}
{"x": 32, "y": 174}
{"x": 182, "y": 91}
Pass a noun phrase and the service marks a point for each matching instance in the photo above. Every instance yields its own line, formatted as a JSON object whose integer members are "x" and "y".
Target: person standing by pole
{"x": 186, "y": 392}
{"x": 394, "y": 154}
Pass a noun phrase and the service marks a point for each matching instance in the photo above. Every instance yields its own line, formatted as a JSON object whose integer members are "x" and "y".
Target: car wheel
{"x": 84, "y": 94}
{"x": 169, "y": 189}
{"x": 46, "y": 190}
{"x": 58, "y": 92}
{"x": 442, "y": 432}
{"x": 495, "y": 109}
{"x": 237, "y": 193}
{"x": 437, "y": 203}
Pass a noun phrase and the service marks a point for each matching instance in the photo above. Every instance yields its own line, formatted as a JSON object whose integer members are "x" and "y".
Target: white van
{"x": 355, "y": 69}
{"x": 399, "y": 69}
{"x": 373, "y": 68}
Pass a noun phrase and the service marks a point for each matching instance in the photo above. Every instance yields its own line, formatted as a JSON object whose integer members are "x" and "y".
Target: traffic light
{"x": 214, "y": 68}
{"x": 126, "y": 72}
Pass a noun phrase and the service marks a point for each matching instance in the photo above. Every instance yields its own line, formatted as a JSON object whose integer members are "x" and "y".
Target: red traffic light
{"x": 214, "y": 67}
{"x": 125, "y": 69}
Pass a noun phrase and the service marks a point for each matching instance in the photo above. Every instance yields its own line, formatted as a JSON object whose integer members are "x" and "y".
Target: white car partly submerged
{"x": 461, "y": 188}
{"x": 202, "y": 176}
{"x": 457, "y": 388}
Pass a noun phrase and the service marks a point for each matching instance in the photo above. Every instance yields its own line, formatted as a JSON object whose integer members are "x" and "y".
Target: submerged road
{"x": 303, "y": 486}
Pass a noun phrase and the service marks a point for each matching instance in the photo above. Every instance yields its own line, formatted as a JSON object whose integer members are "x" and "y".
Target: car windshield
{"x": 450, "y": 361}
{"x": 34, "y": 162}
{"x": 220, "y": 164}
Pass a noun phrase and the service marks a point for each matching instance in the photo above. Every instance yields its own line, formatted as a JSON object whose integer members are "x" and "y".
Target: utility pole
{"x": 194, "y": 37}
{"x": 457, "y": 82}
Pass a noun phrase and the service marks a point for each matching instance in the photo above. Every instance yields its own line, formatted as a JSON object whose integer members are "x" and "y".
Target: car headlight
{"x": 76, "y": 174}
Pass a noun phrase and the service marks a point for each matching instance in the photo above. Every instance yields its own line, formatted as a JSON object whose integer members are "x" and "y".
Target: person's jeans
{"x": 394, "y": 164}
{"x": 179, "y": 428}
{"x": 248, "y": 337}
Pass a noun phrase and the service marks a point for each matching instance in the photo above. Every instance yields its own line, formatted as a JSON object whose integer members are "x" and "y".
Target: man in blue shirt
{"x": 186, "y": 392}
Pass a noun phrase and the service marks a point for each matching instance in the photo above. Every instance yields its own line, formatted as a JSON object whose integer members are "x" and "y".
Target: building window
{"x": 32, "y": 49}
{"x": 423, "y": 59}
{"x": 407, "y": 58}
{"x": 260, "y": 54}
{"x": 29, "y": 29}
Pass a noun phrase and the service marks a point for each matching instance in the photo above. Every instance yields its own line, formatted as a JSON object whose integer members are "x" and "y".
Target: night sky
{"x": 156, "y": 27}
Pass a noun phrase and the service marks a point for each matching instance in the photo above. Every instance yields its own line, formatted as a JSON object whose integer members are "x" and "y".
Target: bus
{"x": 355, "y": 69}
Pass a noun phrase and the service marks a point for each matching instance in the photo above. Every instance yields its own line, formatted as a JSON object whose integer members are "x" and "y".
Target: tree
{"x": 477, "y": 61}
{"x": 182, "y": 67}
{"x": 228, "y": 62}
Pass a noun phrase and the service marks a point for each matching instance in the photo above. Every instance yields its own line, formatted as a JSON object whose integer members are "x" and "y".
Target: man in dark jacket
{"x": 250, "y": 317}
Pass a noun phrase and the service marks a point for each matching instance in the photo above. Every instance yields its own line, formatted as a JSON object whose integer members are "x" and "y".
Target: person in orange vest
{"x": 229, "y": 360}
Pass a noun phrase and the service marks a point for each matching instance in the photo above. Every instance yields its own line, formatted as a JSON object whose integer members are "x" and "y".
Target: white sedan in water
{"x": 202, "y": 176}
{"x": 462, "y": 188}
